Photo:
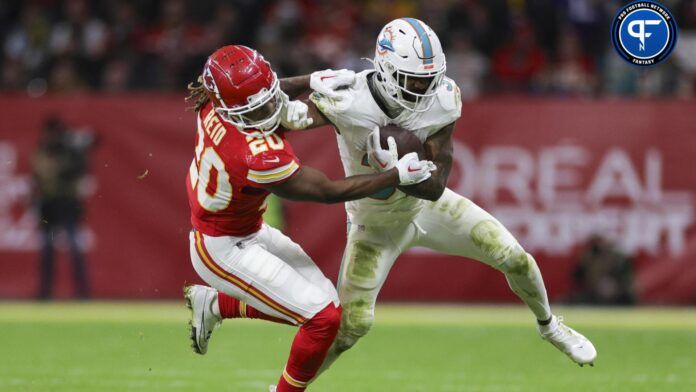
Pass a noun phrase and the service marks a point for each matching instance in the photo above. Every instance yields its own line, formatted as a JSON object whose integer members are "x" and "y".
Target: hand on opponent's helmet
{"x": 295, "y": 114}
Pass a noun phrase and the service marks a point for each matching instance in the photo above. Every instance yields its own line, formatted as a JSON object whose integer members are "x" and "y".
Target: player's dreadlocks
{"x": 197, "y": 94}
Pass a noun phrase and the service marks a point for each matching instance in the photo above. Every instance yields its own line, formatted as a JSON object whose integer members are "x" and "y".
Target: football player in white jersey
{"x": 408, "y": 88}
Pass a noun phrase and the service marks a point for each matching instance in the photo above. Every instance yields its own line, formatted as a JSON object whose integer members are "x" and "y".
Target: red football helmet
{"x": 244, "y": 89}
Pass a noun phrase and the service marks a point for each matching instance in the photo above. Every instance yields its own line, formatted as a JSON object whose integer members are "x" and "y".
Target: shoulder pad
{"x": 449, "y": 96}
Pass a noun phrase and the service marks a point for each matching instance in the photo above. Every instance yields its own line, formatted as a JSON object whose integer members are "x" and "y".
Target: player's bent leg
{"x": 209, "y": 307}
{"x": 370, "y": 253}
{"x": 243, "y": 269}
{"x": 285, "y": 248}
{"x": 358, "y": 316}
{"x": 251, "y": 279}
{"x": 455, "y": 225}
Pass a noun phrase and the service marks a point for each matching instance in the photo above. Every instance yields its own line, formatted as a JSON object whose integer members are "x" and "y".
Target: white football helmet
{"x": 406, "y": 48}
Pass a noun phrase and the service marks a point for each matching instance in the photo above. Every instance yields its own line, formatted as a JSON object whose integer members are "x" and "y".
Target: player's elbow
{"x": 433, "y": 191}
{"x": 433, "y": 194}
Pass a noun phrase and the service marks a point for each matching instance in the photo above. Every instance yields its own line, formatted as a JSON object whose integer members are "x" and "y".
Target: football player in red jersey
{"x": 241, "y": 156}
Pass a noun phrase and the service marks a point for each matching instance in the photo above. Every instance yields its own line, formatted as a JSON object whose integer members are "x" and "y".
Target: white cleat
{"x": 200, "y": 300}
{"x": 272, "y": 388}
{"x": 569, "y": 341}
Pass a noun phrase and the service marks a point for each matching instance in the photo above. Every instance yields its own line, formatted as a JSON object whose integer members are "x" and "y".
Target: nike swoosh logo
{"x": 276, "y": 160}
{"x": 380, "y": 163}
{"x": 326, "y": 77}
{"x": 411, "y": 170}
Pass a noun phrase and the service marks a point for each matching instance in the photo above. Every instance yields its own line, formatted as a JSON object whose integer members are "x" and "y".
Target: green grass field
{"x": 144, "y": 347}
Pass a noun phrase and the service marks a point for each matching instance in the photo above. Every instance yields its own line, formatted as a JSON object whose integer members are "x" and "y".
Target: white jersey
{"x": 356, "y": 114}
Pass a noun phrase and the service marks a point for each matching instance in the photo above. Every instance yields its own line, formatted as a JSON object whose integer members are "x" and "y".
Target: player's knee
{"x": 498, "y": 246}
{"x": 333, "y": 318}
{"x": 356, "y": 321}
{"x": 358, "y": 317}
{"x": 519, "y": 263}
{"x": 327, "y": 321}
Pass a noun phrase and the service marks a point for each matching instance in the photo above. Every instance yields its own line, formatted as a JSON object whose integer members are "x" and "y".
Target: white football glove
{"x": 294, "y": 114}
{"x": 412, "y": 170}
{"x": 326, "y": 81}
{"x": 379, "y": 158}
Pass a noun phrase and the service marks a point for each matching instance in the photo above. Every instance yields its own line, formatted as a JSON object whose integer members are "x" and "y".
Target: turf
{"x": 144, "y": 347}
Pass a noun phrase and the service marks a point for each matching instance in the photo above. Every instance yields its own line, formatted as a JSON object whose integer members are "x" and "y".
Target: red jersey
{"x": 228, "y": 173}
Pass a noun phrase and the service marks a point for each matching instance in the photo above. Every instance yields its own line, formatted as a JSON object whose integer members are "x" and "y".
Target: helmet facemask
{"x": 262, "y": 113}
{"x": 396, "y": 81}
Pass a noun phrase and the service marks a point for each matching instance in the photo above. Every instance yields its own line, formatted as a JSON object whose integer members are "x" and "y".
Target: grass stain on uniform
{"x": 364, "y": 260}
{"x": 358, "y": 316}
{"x": 520, "y": 263}
{"x": 459, "y": 208}
{"x": 487, "y": 236}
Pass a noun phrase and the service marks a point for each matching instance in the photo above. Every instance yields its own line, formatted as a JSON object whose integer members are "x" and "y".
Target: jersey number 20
{"x": 212, "y": 197}
{"x": 217, "y": 197}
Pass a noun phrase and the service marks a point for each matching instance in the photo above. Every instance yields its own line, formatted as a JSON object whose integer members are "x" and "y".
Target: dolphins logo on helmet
{"x": 407, "y": 48}
{"x": 385, "y": 43}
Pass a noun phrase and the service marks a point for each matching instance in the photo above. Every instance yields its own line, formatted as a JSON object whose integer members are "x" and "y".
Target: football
{"x": 406, "y": 141}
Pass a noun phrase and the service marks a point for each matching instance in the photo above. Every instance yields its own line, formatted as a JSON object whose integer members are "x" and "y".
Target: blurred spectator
{"x": 519, "y": 64}
{"x": 603, "y": 276}
{"x": 80, "y": 41}
{"x": 573, "y": 72}
{"x": 685, "y": 52}
{"x": 27, "y": 42}
{"x": 466, "y": 66}
{"x": 545, "y": 47}
{"x": 59, "y": 168}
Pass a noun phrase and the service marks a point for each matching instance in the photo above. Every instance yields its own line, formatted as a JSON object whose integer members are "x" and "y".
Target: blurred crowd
{"x": 558, "y": 47}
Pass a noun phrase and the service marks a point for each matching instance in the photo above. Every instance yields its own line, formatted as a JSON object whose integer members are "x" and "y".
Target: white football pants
{"x": 452, "y": 225}
{"x": 267, "y": 270}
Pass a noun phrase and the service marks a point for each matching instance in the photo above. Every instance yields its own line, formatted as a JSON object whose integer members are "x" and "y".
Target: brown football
{"x": 406, "y": 141}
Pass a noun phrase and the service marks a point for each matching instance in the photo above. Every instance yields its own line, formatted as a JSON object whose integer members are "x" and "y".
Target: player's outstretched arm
{"x": 304, "y": 114}
{"x": 313, "y": 185}
{"x": 319, "y": 119}
{"x": 324, "y": 82}
{"x": 438, "y": 148}
{"x": 295, "y": 86}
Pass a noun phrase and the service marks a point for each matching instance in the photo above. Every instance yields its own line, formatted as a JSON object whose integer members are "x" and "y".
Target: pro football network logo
{"x": 644, "y": 33}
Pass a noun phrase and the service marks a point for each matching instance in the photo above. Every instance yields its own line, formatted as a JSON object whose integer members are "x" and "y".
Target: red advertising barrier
{"x": 553, "y": 171}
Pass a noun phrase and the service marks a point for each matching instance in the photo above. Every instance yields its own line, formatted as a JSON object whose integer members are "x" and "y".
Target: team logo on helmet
{"x": 385, "y": 42}
{"x": 209, "y": 81}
